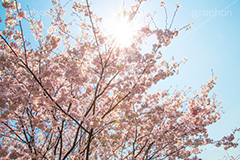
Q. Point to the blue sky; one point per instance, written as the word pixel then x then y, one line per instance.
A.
pixel 212 43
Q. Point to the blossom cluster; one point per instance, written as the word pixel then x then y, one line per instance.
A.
pixel 67 95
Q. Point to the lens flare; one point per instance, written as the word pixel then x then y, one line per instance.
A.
pixel 122 31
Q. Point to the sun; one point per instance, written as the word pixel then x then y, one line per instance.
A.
pixel 122 31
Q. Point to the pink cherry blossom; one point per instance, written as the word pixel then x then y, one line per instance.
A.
pixel 67 94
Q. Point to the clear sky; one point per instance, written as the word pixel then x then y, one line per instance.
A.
pixel 212 43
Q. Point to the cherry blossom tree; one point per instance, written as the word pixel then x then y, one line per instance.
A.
pixel 85 95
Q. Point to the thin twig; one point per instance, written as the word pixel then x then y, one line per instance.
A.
pixel 45 91
pixel 93 29
pixel 165 9
pixel 174 15
pixel 22 36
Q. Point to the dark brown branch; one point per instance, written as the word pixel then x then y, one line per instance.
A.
pixel 135 140
pixel 142 148
pixel 25 134
pixel 2 135
pixel 108 84
pixel 61 141
pixel 32 141
pixel 45 141
pixel 95 95
pixel 45 91
pixel 112 108
pixel 149 147
pixel 9 45
pixel 48 148
pixel 14 132
pixel 88 145
pixel 178 149
pixel 74 142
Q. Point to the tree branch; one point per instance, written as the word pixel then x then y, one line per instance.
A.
pixel 45 91
pixel 88 146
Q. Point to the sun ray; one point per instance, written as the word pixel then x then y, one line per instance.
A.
pixel 122 31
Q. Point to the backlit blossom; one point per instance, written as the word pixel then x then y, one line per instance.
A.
pixel 195 150
pixel 162 4
pixel 21 14
pixel 185 59
pixel 178 5
pixel 74 93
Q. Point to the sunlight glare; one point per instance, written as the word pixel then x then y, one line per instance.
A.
pixel 122 31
